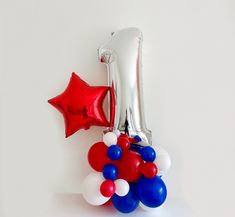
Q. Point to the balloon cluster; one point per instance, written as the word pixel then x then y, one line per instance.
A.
pixel 128 173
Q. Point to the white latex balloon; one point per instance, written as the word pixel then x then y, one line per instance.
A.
pixel 159 149
pixel 110 138
pixel 122 187
pixel 163 160
pixel 91 189
pixel 117 132
pixel 144 143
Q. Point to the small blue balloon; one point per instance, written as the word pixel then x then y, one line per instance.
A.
pixel 151 192
pixel 137 138
pixel 114 152
pixel 136 147
pixel 148 154
pixel 110 172
pixel 127 203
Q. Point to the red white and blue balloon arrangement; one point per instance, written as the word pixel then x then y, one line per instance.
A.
pixel 128 171
pixel 128 168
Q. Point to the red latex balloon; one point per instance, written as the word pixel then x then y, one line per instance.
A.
pixel 132 140
pixel 107 188
pixel 123 142
pixel 124 135
pixel 81 105
pixel 97 156
pixel 129 166
pixel 149 170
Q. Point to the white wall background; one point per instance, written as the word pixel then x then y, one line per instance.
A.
pixel 189 93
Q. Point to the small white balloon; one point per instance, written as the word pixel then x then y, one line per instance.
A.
pixel 117 132
pixel 144 143
pixel 159 150
pixel 163 160
pixel 110 138
pixel 122 187
pixel 91 189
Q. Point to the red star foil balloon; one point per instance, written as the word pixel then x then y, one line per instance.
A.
pixel 81 105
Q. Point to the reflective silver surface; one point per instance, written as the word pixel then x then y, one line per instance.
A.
pixel 122 56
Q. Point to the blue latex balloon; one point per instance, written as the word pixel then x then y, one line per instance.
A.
pixel 110 172
pixel 151 192
pixel 136 147
pixel 148 154
pixel 127 203
pixel 114 152
pixel 137 138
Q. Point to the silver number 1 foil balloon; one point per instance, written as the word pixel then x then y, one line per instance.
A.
pixel 122 56
pixel 119 160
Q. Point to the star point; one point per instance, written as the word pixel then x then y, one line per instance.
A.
pixel 81 105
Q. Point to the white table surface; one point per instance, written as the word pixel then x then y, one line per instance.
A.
pixel 73 205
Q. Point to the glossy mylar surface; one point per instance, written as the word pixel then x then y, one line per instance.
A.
pixel 122 55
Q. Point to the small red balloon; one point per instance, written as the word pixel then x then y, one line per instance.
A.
pixel 149 170
pixel 107 188
pixel 97 156
pixel 123 135
pixel 124 143
pixel 132 140
pixel 129 166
